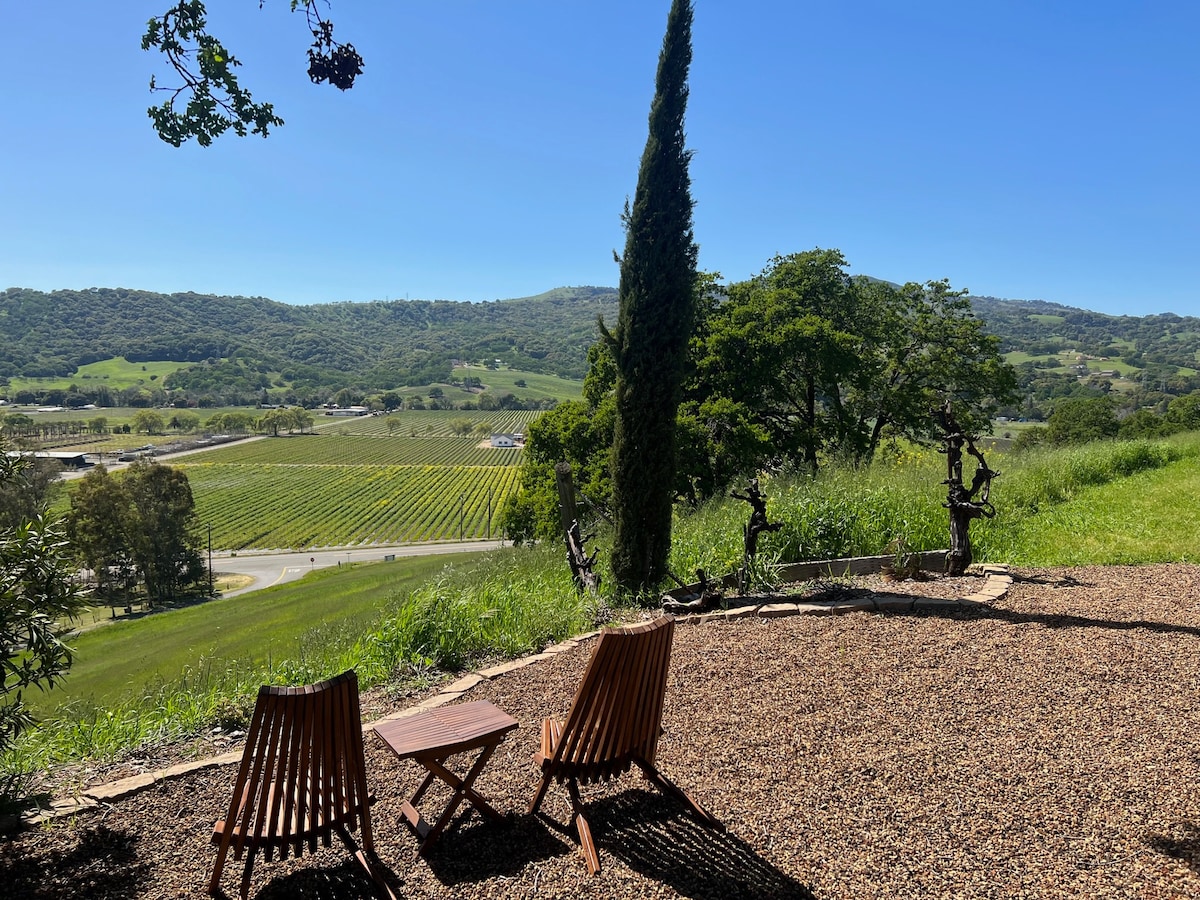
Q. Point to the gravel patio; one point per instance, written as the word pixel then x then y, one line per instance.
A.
pixel 1046 745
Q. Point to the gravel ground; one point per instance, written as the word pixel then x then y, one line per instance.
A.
pixel 1045 747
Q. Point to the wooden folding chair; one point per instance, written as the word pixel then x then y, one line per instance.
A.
pixel 614 722
pixel 302 778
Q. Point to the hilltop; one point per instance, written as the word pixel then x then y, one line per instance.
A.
pixel 379 344
pixel 245 347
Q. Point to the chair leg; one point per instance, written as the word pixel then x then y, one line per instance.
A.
pixel 671 789
pixel 586 843
pixel 214 883
pixel 247 872
pixel 540 795
pixel 369 861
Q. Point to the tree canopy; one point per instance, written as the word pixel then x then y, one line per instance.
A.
pixel 210 99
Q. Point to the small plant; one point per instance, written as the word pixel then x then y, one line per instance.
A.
pixel 761 572
pixel 232 713
pixel 905 564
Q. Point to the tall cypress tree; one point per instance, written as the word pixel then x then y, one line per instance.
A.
pixel 654 322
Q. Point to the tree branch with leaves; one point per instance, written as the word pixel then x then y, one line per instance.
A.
pixel 209 100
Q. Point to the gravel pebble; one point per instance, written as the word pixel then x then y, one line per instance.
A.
pixel 1043 747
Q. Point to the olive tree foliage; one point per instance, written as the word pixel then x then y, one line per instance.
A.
pixel 207 100
pixel 37 597
pixel 654 323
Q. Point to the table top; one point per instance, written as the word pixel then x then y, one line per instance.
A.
pixel 446 730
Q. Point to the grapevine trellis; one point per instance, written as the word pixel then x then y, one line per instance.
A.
pixel 334 490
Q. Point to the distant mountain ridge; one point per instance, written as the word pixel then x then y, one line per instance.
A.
pixel 380 345
pixel 46 334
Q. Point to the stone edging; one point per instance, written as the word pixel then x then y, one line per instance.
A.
pixel 996 583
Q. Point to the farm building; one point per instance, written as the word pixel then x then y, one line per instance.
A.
pixel 503 440
pixel 347 411
pixel 68 460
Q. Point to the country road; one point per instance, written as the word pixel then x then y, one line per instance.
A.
pixel 268 569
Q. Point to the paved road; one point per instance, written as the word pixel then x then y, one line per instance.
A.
pixel 279 568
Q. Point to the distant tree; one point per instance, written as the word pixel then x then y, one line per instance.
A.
pixel 1144 423
pixel 184 421
pixel 26 492
pixel 38 595
pixel 272 420
pixel 654 322
pixel 149 421
pixel 1078 420
pixel 233 421
pixel 299 418
pixel 1184 412
pixel 97 425
pixel 165 538
pixel 98 525
pixel 393 424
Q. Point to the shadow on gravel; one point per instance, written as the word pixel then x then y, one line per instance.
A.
pixel 654 836
pixel 104 863
pixel 345 881
pixel 1186 849
pixel 1048 620
pixel 492 849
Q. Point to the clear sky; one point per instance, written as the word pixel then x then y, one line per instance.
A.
pixel 1032 150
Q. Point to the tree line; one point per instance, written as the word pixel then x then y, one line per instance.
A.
pixel 800 365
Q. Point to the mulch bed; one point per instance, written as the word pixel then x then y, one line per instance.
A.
pixel 1044 747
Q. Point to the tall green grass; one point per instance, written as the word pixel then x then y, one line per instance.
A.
pixel 185 670
pixel 171 675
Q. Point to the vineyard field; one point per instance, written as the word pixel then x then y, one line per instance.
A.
pixel 338 489
pixel 324 506
pixel 357 450
pixel 427 422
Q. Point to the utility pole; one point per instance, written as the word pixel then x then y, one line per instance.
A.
pixel 210 571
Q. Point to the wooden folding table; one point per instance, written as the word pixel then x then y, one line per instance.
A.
pixel 430 738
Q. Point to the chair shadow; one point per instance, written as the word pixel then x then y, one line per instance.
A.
pixel 1185 849
pixel 104 863
pixel 486 849
pixel 344 881
pixel 654 835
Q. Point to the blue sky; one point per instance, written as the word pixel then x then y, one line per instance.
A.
pixel 1027 150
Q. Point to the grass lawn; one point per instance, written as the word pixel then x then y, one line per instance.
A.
pixel 1148 517
pixel 327 606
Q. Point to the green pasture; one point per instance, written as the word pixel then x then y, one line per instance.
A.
pixel 1046 318
pixel 324 611
pixel 537 386
pixel 117 373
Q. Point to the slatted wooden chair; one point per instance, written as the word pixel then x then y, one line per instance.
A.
pixel 614 723
pixel 302 779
